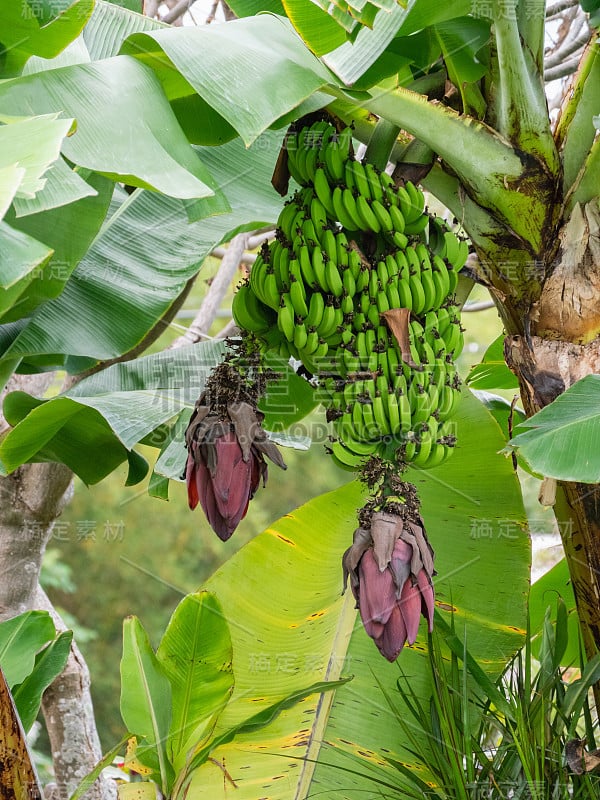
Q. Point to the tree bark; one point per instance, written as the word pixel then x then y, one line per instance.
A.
pixel 31 499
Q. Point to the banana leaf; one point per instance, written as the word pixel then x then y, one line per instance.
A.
pixel 291 621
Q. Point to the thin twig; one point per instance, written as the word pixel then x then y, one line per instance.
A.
pixel 153 334
pixel 231 329
pixel 247 258
pixel 568 48
pixel 568 68
pixel 212 13
pixel 260 236
pixel 559 7
pixel 151 8
pixel 177 11
pixel 215 294
pixel 482 306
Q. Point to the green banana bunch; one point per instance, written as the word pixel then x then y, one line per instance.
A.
pixel 314 295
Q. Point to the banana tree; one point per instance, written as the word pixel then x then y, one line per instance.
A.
pixel 460 98
pixel 453 95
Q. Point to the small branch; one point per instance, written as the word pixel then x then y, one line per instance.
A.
pixel 151 8
pixel 247 258
pixel 562 71
pixel 231 329
pixel 215 294
pixel 555 9
pixel 212 13
pixel 260 236
pixel 559 55
pixel 227 12
pixel 482 306
pixel 178 10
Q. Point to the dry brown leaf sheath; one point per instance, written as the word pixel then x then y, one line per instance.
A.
pixel 397 321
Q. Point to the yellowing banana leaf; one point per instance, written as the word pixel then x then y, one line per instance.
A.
pixel 144 790
pixel 282 595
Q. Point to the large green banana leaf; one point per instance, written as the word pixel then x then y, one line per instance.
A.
pixel 282 595
pixel 41 29
pixel 563 439
pixel 133 271
pixel 115 102
pixel 68 231
pixel 263 69
pixel 147 400
pixel 108 413
pixel 34 144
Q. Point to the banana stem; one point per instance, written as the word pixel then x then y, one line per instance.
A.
pixel 532 25
pixel 586 187
pixel 492 172
pixel 522 114
pixel 381 143
pixel 574 131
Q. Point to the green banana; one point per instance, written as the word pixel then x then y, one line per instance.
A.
pixel 300 336
pixel 335 162
pixel 351 210
pixel 365 213
pixel 375 185
pixel 249 313
pixel 417 203
pixel 318 265
pixel 285 317
pixel 333 278
pixel 298 297
pixel 328 321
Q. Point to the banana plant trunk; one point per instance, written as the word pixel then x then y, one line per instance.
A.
pixel 556 345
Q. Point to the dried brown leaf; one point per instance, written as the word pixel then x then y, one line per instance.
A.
pixel 397 320
pixel 18 779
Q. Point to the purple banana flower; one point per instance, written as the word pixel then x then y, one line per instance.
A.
pixel 225 462
pixel 390 567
